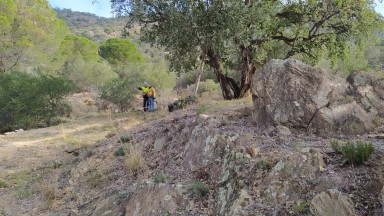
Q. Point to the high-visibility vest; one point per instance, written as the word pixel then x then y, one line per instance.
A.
pixel 144 89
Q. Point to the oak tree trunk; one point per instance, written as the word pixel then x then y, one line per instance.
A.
pixel 229 87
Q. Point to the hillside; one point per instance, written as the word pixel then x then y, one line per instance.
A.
pixel 208 159
pixel 100 29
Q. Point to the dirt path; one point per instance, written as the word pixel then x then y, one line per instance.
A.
pixel 24 152
pixel 27 149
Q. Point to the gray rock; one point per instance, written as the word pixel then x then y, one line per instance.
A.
pixel 293 94
pixel 332 202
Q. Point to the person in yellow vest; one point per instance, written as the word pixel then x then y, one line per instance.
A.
pixel 144 89
pixel 151 98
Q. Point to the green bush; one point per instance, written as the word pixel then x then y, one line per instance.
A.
pixel 182 103
pixel 336 146
pixel 26 100
pixel 3 183
pixel 125 138
pixel 88 74
pixel 199 189
pixel 160 178
pixel 208 86
pixel 120 91
pixel 120 151
pixel 355 153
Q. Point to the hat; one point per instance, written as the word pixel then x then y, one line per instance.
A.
pixel 146 84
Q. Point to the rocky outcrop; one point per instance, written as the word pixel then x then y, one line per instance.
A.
pixel 293 94
pixel 332 202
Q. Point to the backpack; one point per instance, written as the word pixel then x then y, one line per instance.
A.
pixel 151 92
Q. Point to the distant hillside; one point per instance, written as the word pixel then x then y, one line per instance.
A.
pixel 100 29
pixel 96 28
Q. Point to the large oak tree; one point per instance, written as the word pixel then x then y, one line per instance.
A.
pixel 241 35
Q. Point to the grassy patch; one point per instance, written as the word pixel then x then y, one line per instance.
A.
pixel 97 178
pixel 3 183
pixel 355 152
pixel 160 178
pixel 74 142
pixel 120 151
pixel 135 161
pixel 49 191
pixel 198 188
pixel 300 207
pixel 125 139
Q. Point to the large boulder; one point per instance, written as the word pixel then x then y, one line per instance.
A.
pixel 293 94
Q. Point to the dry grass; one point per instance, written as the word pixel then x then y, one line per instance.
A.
pixel 49 190
pixel 135 161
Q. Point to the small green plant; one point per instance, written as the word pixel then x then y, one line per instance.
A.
pixel 223 122
pixel 160 178
pixel 198 188
pixel 56 164
pixel 355 153
pixel 299 207
pixel 202 109
pixel 125 138
pixel 377 121
pixel 120 151
pixel 336 146
pixel 3 183
pixel 182 103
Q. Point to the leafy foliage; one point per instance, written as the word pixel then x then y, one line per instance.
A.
pixel 77 47
pixel 119 52
pixel 27 100
pixel 242 35
pixel 30 35
pixel 120 91
pixel 89 74
pixel 181 103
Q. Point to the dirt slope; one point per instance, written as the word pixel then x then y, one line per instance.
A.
pixel 73 169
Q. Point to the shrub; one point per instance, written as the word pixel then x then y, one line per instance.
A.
pixel 355 153
pixel 135 161
pixel 208 86
pixel 336 146
pixel 160 178
pixel 120 91
pixel 26 100
pixel 88 74
pixel 125 138
pixel 3 183
pixel 198 188
pixel 120 151
pixel 181 103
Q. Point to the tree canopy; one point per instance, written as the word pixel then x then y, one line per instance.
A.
pixel 119 52
pixel 242 35
pixel 30 33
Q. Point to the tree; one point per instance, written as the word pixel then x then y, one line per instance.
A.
pixel 119 52
pixel 30 35
pixel 242 35
pixel 77 47
pixel 26 100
